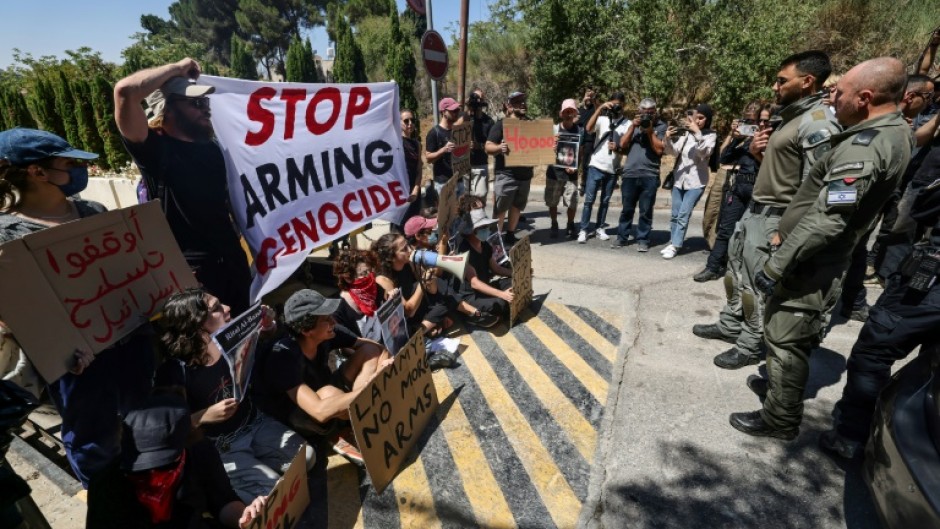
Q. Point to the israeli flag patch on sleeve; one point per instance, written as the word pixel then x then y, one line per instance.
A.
pixel 841 192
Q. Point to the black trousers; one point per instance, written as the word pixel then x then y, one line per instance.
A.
pixel 853 287
pixel 889 215
pixel 734 203
pixel 489 304
pixel 901 320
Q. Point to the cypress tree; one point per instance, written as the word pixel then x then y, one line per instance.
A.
pixel 41 100
pixel 349 66
pixel 314 76
pixel 21 115
pixel 243 65
pixel 114 155
pixel 5 110
pixel 65 108
pixel 295 58
pixel 400 64
pixel 85 116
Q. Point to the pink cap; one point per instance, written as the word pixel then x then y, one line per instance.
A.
pixel 448 103
pixel 418 223
pixel 566 105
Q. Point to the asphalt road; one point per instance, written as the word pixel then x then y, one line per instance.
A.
pixel 666 455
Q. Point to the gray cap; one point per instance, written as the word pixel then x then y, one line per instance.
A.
pixel 176 86
pixel 305 303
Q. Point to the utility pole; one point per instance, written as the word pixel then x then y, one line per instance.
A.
pixel 437 117
pixel 462 59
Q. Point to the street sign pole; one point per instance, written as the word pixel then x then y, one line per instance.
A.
pixel 462 59
pixel 437 117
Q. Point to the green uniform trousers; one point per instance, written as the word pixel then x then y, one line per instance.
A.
pixel 748 251
pixel 795 323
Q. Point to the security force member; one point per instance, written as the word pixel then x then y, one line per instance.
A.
pixel 786 157
pixel 907 315
pixel 834 207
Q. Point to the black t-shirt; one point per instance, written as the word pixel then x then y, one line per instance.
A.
pixel 206 385
pixel 480 261
pixel 284 367
pixel 480 127
pixel 738 153
pixel 436 140
pixel 412 161
pixel 196 204
pixel 499 161
pixel 205 488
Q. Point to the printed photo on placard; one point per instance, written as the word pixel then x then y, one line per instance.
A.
pixel 566 151
pixel 238 341
pixel 391 316
pixel 499 250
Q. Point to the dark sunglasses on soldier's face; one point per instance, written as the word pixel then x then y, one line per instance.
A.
pixel 201 103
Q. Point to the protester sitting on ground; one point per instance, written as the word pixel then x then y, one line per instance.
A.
pixel 422 233
pixel 39 175
pixel 693 149
pixel 166 479
pixel 427 299
pixel 742 171
pixel 562 183
pixel 294 382
pixel 255 448
pixel 482 289
pixel 360 295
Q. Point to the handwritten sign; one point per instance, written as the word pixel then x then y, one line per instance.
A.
pixel 521 256
pixel 288 499
pixel 394 326
pixel 87 284
pixel 461 135
pixel 392 411
pixel 447 205
pixel 237 341
pixel 530 143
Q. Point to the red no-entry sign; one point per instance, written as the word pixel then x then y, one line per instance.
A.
pixel 434 53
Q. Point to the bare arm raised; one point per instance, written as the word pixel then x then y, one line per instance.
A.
pixel 130 91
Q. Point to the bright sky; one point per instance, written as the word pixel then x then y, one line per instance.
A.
pixel 49 27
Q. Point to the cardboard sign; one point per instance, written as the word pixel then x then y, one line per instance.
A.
pixel 87 284
pixel 391 412
pixel 521 256
pixel 237 341
pixel 288 499
pixel 461 135
pixel 566 151
pixel 391 315
pixel 530 143
pixel 307 164
pixel 447 206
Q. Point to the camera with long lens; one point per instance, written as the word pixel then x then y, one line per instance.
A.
pixel 646 121
pixel 615 111
pixel 475 101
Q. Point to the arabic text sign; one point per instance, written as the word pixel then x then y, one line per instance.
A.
pixel 89 283
pixel 392 411
pixel 530 143
pixel 288 499
pixel 307 164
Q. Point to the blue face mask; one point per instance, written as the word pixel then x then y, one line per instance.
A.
pixel 78 180
pixel 484 234
pixel 433 238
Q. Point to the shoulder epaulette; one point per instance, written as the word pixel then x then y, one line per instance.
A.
pixel 864 137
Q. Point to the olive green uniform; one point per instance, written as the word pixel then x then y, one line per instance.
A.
pixel 792 149
pixel 834 207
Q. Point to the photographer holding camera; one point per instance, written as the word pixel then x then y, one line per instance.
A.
pixel 643 144
pixel 608 124
pixel 480 125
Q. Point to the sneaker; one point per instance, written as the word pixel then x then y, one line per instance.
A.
pixel 618 245
pixel 839 445
pixel 706 275
pixel 667 247
pixel 509 239
pixel 602 235
pixel 670 252
pixel 484 320
pixel 642 246
pixel 553 232
pixel 582 237
pixel 570 231
pixel 347 449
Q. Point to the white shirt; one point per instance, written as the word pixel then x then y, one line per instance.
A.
pixel 692 171
pixel 602 158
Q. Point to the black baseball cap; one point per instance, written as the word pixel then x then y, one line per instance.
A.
pixel 155 434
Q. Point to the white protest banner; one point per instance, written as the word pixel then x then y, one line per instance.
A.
pixel 307 164
pixel 237 341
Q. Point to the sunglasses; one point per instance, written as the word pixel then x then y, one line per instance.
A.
pixel 202 103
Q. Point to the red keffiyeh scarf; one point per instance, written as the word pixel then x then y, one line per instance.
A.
pixel 364 291
pixel 156 489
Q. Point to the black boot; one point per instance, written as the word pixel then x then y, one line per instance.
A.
pixel 711 331
pixel 553 233
pixel 735 358
pixel 752 423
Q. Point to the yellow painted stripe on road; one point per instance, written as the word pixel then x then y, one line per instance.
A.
pixel 581 327
pixel 567 416
pixel 342 489
pixel 557 496
pixel 486 498
pixel 591 379
pixel 413 495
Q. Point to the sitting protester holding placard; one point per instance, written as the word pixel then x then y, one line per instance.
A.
pixel 165 479
pixel 294 381
pixel 481 288
pixel 255 448
pixel 359 293
pixel 39 174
